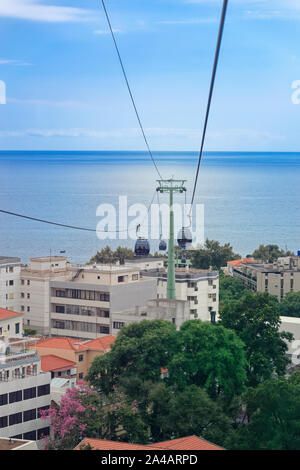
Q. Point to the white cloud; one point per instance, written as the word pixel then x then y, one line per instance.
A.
pixel 45 102
pixel 254 135
pixel 106 31
pixel 190 21
pixel 14 62
pixel 34 10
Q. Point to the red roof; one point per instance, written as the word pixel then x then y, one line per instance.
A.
pixel 58 343
pixel 239 262
pixel 55 363
pixel 102 444
pixel 183 443
pixel 187 443
pixel 102 343
pixel 5 314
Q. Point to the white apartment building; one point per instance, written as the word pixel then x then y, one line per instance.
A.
pixel 34 289
pixel 24 392
pixel 199 287
pixel 10 269
pixel 85 306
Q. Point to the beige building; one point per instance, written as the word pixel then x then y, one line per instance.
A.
pixel 81 353
pixel 11 324
pixel 84 306
pixel 10 269
pixel 199 287
pixel 276 278
pixel 34 289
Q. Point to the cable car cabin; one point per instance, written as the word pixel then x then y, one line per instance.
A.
pixel 184 238
pixel 142 248
pixel 162 245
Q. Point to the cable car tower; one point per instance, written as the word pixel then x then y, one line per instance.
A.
pixel 171 186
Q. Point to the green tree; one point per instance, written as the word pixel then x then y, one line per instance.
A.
pixel 140 349
pixel 107 255
pixel 230 288
pixel 209 356
pixel 290 305
pixel 190 412
pixel 269 253
pixel 213 254
pixel 273 412
pixel 256 320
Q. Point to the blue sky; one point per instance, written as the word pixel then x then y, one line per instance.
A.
pixel 65 89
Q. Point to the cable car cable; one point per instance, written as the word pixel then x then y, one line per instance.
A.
pixel 217 54
pixel 129 88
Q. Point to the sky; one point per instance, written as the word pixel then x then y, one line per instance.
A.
pixel 65 89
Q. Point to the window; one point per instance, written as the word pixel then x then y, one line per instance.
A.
pixel 15 418
pixel 120 278
pixel 60 293
pixel 103 329
pixel 22 295
pixel 11 283
pixel 42 408
pixel 80 357
pixel 3 399
pixel 3 422
pixel 29 393
pixel 28 309
pixel 17 328
pixel 30 436
pixel 59 324
pixel 43 432
pixel 28 296
pixel 22 308
pixel 15 396
pixel 80 376
pixel 60 309
pixel 28 282
pixel 103 313
pixel 11 269
pixel 22 282
pixel 29 415
pixel 11 296
pixel 135 277
pixel 118 325
pixel 43 390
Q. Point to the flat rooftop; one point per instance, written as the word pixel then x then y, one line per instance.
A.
pixel 9 259
pixel 9 444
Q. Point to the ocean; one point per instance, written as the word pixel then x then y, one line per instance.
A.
pixel 248 198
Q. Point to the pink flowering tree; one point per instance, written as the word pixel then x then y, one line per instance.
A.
pixel 84 413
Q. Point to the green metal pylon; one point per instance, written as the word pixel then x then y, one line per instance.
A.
pixel 171 186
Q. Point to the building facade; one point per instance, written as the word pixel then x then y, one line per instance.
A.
pixel 24 392
pixel 278 278
pixel 84 307
pixel 10 269
pixel 199 287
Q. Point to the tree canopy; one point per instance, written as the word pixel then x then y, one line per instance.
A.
pixel 269 253
pixel 211 357
pixel 290 305
pixel 256 320
pixel 213 254
pixel 273 414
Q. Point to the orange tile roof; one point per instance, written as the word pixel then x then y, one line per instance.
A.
pixel 183 443
pixel 103 343
pixel 59 343
pixel 4 314
pixel 55 363
pixel 187 443
pixel 239 262
pixel 102 444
